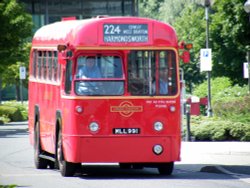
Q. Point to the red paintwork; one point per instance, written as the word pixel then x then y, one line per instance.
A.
pixel 79 144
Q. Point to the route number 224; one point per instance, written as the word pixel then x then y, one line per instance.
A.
pixel 112 29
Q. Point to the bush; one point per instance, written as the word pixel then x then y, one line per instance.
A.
pixel 214 129
pixel 11 112
pixel 23 108
pixel 217 85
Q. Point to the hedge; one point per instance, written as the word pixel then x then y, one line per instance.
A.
pixel 206 129
pixel 12 113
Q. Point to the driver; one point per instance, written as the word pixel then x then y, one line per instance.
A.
pixel 90 70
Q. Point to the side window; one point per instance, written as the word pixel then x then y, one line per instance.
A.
pixel 40 57
pixel 68 78
pixel 55 66
pixel 50 65
pixel 45 65
pixel 34 63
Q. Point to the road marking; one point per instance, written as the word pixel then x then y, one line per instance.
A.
pixel 242 177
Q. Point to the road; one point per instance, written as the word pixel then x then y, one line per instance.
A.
pixel 17 168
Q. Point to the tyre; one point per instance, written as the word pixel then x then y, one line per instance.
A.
pixel 40 163
pixel 166 168
pixel 125 165
pixel 67 169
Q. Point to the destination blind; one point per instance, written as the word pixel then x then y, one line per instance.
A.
pixel 125 33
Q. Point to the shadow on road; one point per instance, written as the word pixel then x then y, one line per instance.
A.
pixel 13 131
pixel 109 172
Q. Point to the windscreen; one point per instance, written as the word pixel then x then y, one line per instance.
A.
pixel 99 75
pixel 152 73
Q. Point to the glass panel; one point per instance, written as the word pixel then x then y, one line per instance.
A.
pixel 68 77
pixel 99 87
pixel 44 65
pixel 50 65
pixel 40 57
pixel 34 65
pixel 152 73
pixel 99 67
pixel 55 64
pixel 99 75
pixel 167 83
pixel 141 72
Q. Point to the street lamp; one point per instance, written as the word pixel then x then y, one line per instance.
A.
pixel 247 9
pixel 207 4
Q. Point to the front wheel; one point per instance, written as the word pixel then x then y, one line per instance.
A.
pixel 40 163
pixel 67 169
pixel 166 168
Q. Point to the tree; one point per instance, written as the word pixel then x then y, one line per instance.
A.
pixel 230 36
pixel 16 27
pixel 190 27
pixel 170 10
pixel 150 8
pixel 11 74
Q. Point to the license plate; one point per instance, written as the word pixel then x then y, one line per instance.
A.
pixel 126 131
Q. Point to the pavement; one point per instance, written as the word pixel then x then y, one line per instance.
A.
pixel 231 158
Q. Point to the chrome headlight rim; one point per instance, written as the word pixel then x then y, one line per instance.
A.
pixel 94 127
pixel 158 126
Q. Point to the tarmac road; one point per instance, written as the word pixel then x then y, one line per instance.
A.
pixel 204 164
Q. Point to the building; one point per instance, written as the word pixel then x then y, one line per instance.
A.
pixel 49 11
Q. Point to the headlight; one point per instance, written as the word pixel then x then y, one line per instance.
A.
pixel 158 126
pixel 158 149
pixel 94 127
pixel 79 109
pixel 172 108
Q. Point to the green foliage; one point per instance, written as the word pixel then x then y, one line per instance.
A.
pixel 170 10
pixel 191 28
pixel 150 8
pixel 13 111
pixel 235 108
pixel 207 129
pixel 218 85
pixel 16 26
pixel 230 36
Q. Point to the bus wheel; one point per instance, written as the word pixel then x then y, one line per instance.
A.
pixel 40 163
pixel 166 168
pixel 67 169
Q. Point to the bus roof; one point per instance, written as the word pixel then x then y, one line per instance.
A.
pixel 108 31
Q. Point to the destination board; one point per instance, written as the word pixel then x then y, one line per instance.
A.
pixel 125 33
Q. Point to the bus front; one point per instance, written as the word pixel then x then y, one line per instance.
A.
pixel 124 96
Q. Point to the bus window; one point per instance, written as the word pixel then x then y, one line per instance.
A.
pixel 140 72
pixel 152 73
pixel 68 77
pixel 50 65
pixel 99 75
pixel 40 57
pixel 44 65
pixel 55 66
pixel 34 65
pixel 167 73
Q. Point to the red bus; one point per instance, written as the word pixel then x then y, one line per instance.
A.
pixel 105 90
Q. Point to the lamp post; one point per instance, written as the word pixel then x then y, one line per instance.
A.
pixel 247 9
pixel 207 4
